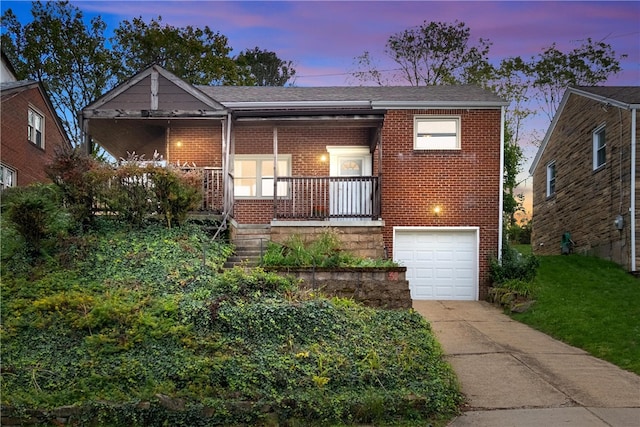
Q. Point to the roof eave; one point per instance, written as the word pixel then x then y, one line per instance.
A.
pixel 603 99
pixel 429 105
pixel 280 105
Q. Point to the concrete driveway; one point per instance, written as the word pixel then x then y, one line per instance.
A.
pixel 513 375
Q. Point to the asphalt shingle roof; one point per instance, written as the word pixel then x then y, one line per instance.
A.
pixel 338 94
pixel 625 94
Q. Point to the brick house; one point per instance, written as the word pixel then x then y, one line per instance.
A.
pixel 31 130
pixel 585 175
pixel 410 173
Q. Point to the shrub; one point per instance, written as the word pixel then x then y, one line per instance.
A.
pixel 70 171
pixel 513 265
pixel 325 252
pixel 34 212
pixel 128 194
pixel 520 233
pixel 139 331
pixel 176 193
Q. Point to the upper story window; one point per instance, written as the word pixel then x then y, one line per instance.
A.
pixel 551 179
pixel 254 175
pixel 436 133
pixel 36 128
pixel 599 147
pixel 7 177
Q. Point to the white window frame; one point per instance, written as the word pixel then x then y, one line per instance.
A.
pixel 599 136
pixel 8 177
pixel 551 178
pixel 262 191
pixel 33 130
pixel 440 136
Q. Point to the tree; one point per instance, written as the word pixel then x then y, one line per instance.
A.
pixel 199 56
pixel 434 53
pixel 264 68
pixel 587 65
pixel 60 51
pixel 438 53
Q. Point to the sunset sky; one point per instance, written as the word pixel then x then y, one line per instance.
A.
pixel 322 38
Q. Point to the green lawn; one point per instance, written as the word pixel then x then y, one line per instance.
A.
pixel 591 304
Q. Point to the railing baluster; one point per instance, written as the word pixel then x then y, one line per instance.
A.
pixel 329 197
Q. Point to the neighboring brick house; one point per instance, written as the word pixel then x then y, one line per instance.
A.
pixel 585 176
pixel 31 130
pixel 412 173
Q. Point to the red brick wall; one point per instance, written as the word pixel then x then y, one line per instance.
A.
pixel 199 145
pixel 305 145
pixel 465 183
pixel 17 151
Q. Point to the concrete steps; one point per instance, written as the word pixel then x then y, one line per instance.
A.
pixel 250 243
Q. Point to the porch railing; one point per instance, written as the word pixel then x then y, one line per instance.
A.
pixel 322 198
pixel 212 188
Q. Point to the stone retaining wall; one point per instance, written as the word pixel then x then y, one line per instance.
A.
pixel 373 286
pixel 361 240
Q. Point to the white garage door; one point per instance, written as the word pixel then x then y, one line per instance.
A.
pixel 442 263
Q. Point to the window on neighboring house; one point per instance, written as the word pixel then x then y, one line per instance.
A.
pixel 36 128
pixel 551 179
pixel 253 177
pixel 7 177
pixel 599 147
pixel 436 133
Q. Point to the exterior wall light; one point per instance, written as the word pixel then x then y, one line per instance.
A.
pixel 323 158
pixel 437 210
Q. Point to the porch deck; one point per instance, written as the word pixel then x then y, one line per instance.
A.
pixel 304 198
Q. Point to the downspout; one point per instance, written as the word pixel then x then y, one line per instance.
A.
pixel 632 207
pixel 379 190
pixel 501 201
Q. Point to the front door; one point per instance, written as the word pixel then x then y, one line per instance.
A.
pixel 350 195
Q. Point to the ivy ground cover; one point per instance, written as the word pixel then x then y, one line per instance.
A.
pixel 144 328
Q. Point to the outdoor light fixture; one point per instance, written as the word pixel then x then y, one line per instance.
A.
pixel 437 210
pixel 323 158
pixel 179 143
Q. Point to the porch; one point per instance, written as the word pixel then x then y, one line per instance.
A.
pixel 303 198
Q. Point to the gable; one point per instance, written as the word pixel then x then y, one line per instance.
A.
pixel 154 90
pixel 623 97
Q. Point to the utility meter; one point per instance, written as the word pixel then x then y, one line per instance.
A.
pixel 619 222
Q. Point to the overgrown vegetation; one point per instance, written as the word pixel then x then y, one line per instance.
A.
pixel 324 251
pixel 512 279
pixel 139 326
pixel 589 303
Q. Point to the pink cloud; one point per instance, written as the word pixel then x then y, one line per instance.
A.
pixel 321 37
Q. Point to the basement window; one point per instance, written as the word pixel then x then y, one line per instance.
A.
pixel 436 133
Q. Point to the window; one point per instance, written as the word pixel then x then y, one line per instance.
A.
pixel 436 133
pixel 7 177
pixel 36 128
pixel 551 179
pixel 599 147
pixel 254 175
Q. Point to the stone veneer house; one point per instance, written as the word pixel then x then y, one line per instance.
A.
pixel 411 173
pixel 31 130
pixel 585 176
